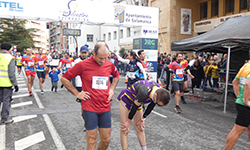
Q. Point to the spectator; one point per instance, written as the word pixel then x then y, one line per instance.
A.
pixel 198 73
pixel 207 76
pixel 191 63
pixel 215 75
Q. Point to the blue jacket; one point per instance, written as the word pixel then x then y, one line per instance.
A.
pixel 54 75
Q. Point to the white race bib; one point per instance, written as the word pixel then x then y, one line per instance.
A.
pixel 30 63
pixel 131 75
pixel 19 61
pixel 41 63
pixel 100 82
pixel 242 82
pixel 179 71
pixel 68 65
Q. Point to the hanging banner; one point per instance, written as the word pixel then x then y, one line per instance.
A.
pixel 186 21
pixel 80 11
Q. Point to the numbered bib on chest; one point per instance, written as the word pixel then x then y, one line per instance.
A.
pixel 40 63
pixel 131 75
pixel 99 82
pixel 68 65
pixel 19 61
pixel 30 63
pixel 179 71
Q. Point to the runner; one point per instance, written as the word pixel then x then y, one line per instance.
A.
pixel 19 63
pixel 144 62
pixel 134 67
pixel 177 78
pixel 40 60
pixel 96 94
pixel 113 61
pixel 184 62
pixel 242 91
pixel 131 100
pixel 48 63
pixel 28 62
pixel 65 63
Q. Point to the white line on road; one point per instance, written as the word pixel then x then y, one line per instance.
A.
pixel 22 118
pixel 21 85
pixel 55 136
pixel 29 141
pixel 21 104
pixel 159 114
pixel 20 89
pixel 2 137
pixel 21 95
pixel 20 81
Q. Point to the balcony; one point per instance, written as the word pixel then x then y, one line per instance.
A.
pixel 37 45
pixel 37 39
pixel 52 41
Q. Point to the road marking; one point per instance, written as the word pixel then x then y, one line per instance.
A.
pixel 29 141
pixel 55 136
pixel 20 81
pixel 22 118
pixel 2 137
pixel 159 114
pixel 21 95
pixel 20 89
pixel 21 85
pixel 21 104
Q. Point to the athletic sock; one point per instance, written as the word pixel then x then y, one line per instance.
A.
pixel 144 147
pixel 176 105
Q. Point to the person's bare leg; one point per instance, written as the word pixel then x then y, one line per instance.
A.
pixel 123 118
pixel 233 136
pixel 140 135
pixel 41 83
pixel 19 71
pixel 91 139
pixel 105 134
pixel 29 83
pixel 177 97
pixel 32 81
pixel 248 132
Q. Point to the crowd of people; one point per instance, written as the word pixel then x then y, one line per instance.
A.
pixel 93 79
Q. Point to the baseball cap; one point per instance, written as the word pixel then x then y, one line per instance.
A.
pixel 84 49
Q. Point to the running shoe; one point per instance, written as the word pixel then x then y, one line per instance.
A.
pixel 183 100
pixel 42 92
pixel 46 76
pixel 30 93
pixel 62 86
pixel 52 88
pixel 177 109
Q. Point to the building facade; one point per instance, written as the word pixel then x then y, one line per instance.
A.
pixel 181 19
pixel 40 35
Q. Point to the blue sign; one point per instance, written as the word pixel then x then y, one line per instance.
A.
pixel 13 6
pixel 152 65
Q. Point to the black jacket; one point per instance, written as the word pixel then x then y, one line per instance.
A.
pixel 197 72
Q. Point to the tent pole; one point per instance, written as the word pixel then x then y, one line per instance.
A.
pixel 227 76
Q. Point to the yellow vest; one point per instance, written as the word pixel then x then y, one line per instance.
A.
pixel 5 59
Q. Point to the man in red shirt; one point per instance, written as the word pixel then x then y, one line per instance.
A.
pixel 28 61
pixel 40 61
pixel 96 94
pixel 65 63
pixel 178 67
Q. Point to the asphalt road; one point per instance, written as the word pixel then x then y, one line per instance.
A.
pixel 53 121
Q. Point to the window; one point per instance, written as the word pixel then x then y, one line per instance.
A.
pixel 229 6
pixel 121 34
pixel 243 4
pixel 109 38
pixel 115 35
pixel 90 37
pixel 203 10
pixel 128 32
pixel 215 7
pixel 104 37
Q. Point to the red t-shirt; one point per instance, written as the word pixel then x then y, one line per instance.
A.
pixel 178 70
pixel 95 80
pixel 67 64
pixel 40 62
pixel 29 60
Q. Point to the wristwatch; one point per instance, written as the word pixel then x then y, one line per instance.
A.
pixel 143 119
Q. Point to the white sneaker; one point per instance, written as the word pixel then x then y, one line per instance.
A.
pixel 42 92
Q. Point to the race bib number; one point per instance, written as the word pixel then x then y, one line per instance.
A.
pixel 68 65
pixel 179 71
pixel 41 63
pixel 30 63
pixel 100 82
pixel 19 61
pixel 242 82
pixel 131 75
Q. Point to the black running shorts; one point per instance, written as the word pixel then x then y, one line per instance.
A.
pixel 178 86
pixel 243 116
pixel 41 74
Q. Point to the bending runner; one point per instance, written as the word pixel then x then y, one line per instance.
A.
pixel 131 100
pixel 96 94
pixel 242 91
pixel 29 63
pixel 177 77
pixel 19 63
pixel 40 61
pixel 134 67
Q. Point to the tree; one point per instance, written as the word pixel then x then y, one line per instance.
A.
pixel 14 32
pixel 122 51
